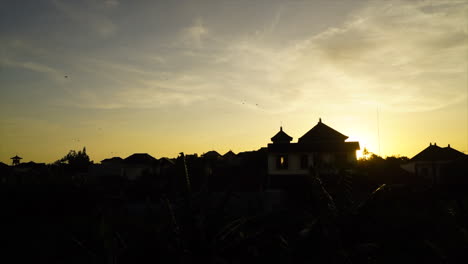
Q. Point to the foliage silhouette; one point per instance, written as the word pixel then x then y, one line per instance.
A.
pixel 77 160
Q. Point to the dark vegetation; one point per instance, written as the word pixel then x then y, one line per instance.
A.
pixel 56 215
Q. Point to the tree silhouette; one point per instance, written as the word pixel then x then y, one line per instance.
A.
pixel 77 160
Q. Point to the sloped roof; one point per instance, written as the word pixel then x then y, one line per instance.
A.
pixel 16 157
pixel 229 154
pixel 281 136
pixel 140 158
pixel 113 160
pixel 321 132
pixel 211 154
pixel 434 152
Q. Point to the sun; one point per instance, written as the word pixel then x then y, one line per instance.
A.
pixel 359 154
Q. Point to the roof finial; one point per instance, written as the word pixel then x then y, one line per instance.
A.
pixel 320 120
pixel 281 128
pixel 448 146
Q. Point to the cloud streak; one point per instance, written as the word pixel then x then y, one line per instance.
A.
pixel 193 35
pixel 92 18
pixel 53 73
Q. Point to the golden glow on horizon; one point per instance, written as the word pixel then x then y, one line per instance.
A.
pixel 359 154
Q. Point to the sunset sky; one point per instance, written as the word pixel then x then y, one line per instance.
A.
pixel 164 77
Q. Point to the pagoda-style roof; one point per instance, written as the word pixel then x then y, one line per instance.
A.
pixel 322 133
pixel 16 158
pixel 436 153
pixel 281 137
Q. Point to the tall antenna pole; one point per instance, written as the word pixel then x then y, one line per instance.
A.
pixel 378 129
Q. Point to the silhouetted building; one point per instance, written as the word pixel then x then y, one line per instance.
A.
pixel 321 149
pixel 16 160
pixel 231 158
pixel 456 172
pixel 137 165
pixel 432 164
pixel 111 167
pixel 111 161
pixel 212 155
pixel 165 169
pixel 229 155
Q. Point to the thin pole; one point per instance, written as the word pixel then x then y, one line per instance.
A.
pixel 378 129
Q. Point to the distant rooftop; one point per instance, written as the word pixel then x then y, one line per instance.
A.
pixel 112 160
pixel 229 154
pixel 139 158
pixel 434 153
pixel 211 154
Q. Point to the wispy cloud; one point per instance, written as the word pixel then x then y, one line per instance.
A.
pixel 131 86
pixel 405 57
pixel 396 50
pixel 193 35
pixel 94 20
pixel 140 96
pixel 36 67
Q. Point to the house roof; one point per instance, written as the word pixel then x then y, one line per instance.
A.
pixel 436 153
pixel 211 154
pixel 112 160
pixel 16 157
pixel 139 158
pixel 281 136
pixel 229 154
pixel 322 132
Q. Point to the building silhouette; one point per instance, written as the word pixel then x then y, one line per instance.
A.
pixel 16 160
pixel 435 164
pixel 322 150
